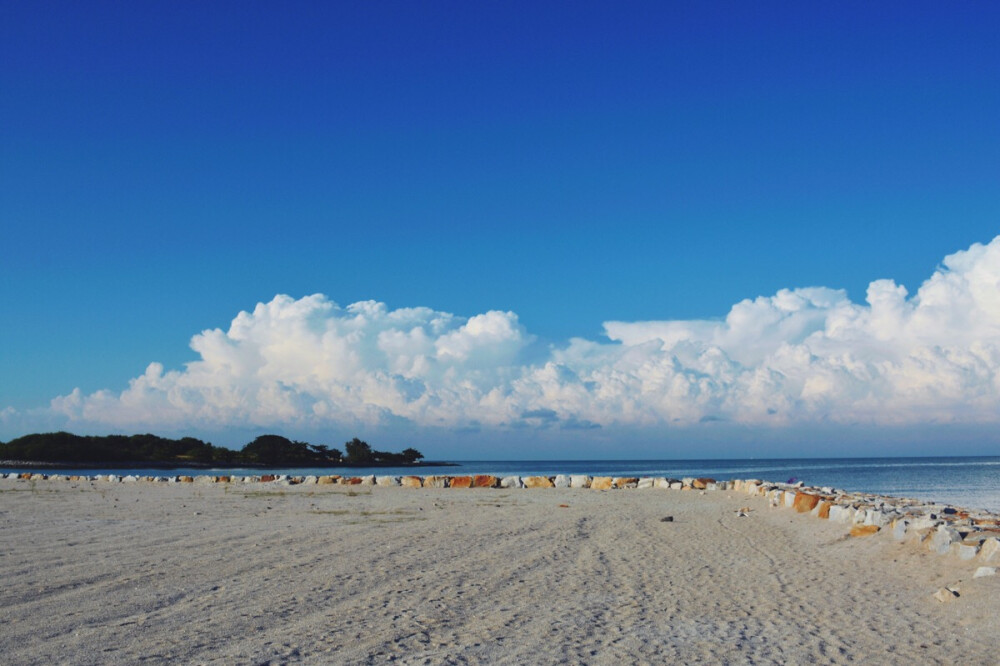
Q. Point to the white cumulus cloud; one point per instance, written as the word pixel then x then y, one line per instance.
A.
pixel 807 355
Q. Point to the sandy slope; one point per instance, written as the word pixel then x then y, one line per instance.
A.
pixel 142 573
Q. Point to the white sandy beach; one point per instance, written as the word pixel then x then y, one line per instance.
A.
pixel 98 573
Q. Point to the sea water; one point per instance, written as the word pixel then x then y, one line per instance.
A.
pixel 971 482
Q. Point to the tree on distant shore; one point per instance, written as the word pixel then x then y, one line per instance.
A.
pixel 326 453
pixel 277 450
pixel 267 450
pixel 358 452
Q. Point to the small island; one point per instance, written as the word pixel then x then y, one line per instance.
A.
pixel 64 449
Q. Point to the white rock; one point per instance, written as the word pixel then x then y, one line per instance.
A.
pixel 511 482
pixel 789 499
pixel 942 538
pixel 876 518
pixel 982 572
pixel 661 483
pixel 646 482
pixel 965 551
pixel 386 480
pixel 899 529
pixel 310 480
pixel 676 485
pixel 990 550
pixel 924 523
pixel 579 481
pixel 842 514
pixel 944 595
pixel 561 481
pixel 368 480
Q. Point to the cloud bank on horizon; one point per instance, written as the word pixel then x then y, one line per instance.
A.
pixel 801 356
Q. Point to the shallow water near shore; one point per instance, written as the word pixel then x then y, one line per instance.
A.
pixel 972 482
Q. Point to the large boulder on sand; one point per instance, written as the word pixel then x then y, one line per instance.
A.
pixel 485 481
pixel 942 539
pixel 601 483
pixel 805 502
pixel 537 482
pixel 990 550
pixel 864 530
pixel 435 482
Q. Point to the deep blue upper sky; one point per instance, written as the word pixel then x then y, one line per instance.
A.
pixel 165 165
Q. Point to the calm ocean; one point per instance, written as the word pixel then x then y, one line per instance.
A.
pixel 968 482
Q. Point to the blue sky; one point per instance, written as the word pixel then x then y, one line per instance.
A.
pixel 164 167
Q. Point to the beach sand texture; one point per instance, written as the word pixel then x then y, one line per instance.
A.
pixel 100 573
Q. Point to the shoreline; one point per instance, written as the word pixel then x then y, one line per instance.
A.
pixel 969 481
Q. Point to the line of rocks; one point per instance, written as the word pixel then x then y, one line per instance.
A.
pixel 941 529
pixel 472 481
pixel 945 530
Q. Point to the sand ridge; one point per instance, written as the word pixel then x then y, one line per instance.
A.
pixel 224 573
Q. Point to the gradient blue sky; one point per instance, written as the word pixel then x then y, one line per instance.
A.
pixel 164 166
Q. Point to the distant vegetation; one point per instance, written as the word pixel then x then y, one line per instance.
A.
pixel 264 451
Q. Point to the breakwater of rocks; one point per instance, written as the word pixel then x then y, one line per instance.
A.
pixel 942 529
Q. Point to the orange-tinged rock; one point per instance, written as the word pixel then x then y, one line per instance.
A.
pixel 353 481
pixel 701 484
pixel 537 482
pixel 601 483
pixel 461 482
pixel 626 482
pixel 222 479
pixel 824 510
pixel 267 478
pixel 485 481
pixel 864 530
pixel 436 481
pixel 411 482
pixel 186 479
pixel 804 502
